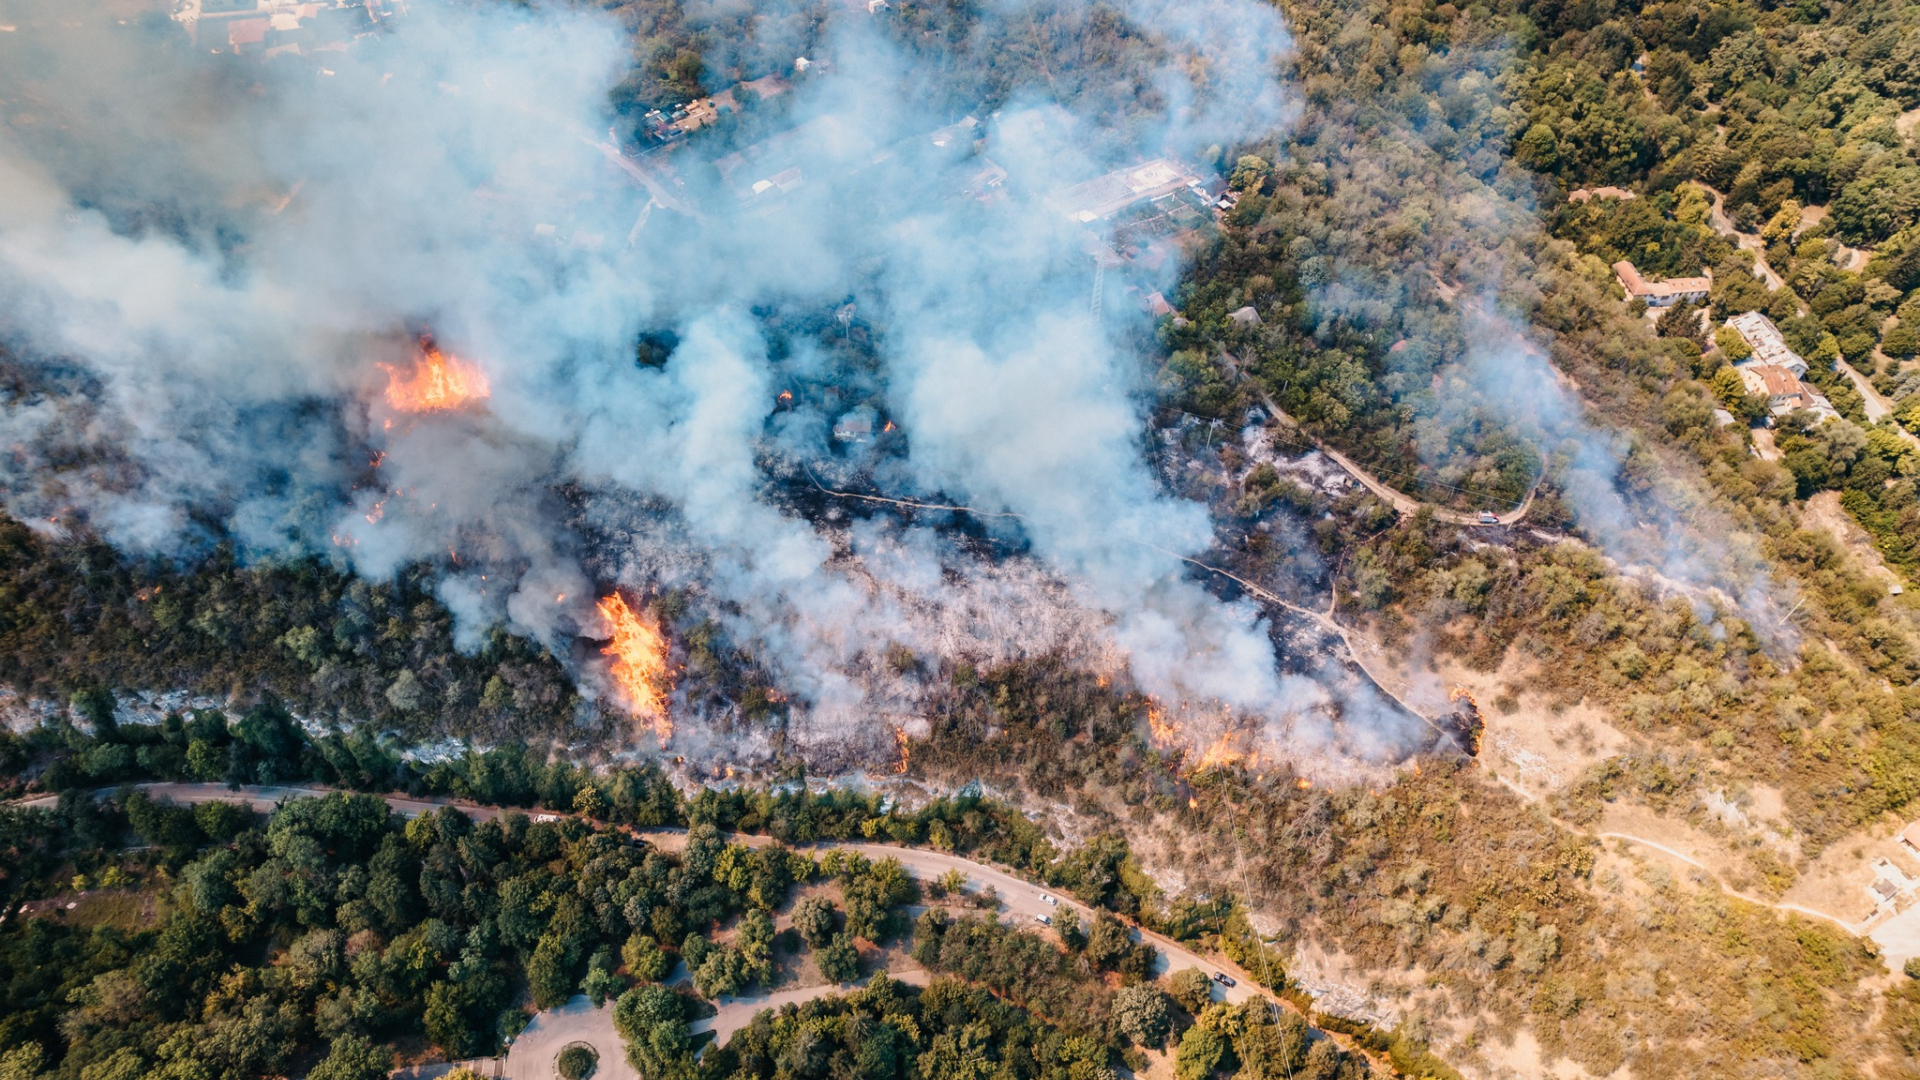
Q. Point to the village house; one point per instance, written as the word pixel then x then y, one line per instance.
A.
pixel 1769 348
pixel 701 112
pixel 1783 390
pixel 1580 195
pixel 1910 839
pixel 1660 293
pixel 1105 196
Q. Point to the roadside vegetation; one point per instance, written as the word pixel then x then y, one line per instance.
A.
pixel 326 936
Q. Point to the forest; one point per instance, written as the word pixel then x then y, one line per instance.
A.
pixel 327 937
pixel 1422 193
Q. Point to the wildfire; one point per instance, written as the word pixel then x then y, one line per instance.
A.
pixel 1164 731
pixel 900 737
pixel 639 652
pixel 1467 722
pixel 1222 753
pixel 1193 803
pixel 1303 784
pixel 437 382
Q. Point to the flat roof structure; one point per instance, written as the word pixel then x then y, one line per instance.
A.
pixel 1105 196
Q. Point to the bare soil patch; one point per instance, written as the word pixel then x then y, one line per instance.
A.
pixel 1536 745
pixel 1837 881
pixel 1824 512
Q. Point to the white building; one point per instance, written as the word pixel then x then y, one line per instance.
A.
pixel 1768 346
pixel 1660 293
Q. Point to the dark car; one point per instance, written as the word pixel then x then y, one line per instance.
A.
pixel 1223 978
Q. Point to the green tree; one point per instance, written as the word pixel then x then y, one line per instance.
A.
pixel 755 946
pixel 589 802
pixel 1192 989
pixel 1066 923
pixel 813 916
pixel 1732 346
pixel 577 1062
pixel 22 1062
pixel 839 960
pixel 549 973
pixel 354 1057
pixel 645 959
pixel 653 1023
pixel 1202 1050
pixel 1144 1014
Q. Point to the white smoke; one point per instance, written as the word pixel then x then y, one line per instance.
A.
pixel 225 252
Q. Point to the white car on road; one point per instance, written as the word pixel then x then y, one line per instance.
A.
pixel 1043 920
pixel 1048 900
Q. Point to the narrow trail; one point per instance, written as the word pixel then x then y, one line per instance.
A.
pixel 1323 619
pixel 1529 797
pixel 1401 502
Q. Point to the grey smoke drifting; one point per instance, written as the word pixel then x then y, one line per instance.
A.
pixel 226 253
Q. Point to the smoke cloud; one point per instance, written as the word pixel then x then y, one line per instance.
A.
pixel 215 261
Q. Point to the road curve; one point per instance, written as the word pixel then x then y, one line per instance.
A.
pixel 1020 898
pixel 1402 503
pixel 737 1012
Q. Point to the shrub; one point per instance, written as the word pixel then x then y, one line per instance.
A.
pixel 577 1062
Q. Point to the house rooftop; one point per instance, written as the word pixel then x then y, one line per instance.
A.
pixel 1641 288
pixel 1104 196
pixel 1580 195
pixel 1764 338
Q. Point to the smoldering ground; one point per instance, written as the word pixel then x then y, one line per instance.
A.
pixel 230 250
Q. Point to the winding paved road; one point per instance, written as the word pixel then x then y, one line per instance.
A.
pixel 531 1056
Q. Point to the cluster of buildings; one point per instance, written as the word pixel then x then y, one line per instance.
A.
pixel 696 114
pixel 1140 214
pixel 1773 370
pixel 281 27
pixel 1152 182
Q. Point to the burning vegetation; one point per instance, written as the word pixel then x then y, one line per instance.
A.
pixel 1463 721
pixel 639 668
pixel 436 382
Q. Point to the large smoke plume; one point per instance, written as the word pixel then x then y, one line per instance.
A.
pixel 222 257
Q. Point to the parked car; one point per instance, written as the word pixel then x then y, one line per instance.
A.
pixel 1223 978
pixel 1488 517
pixel 1047 899
pixel 1043 920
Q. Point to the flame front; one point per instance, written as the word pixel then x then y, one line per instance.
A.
pixel 639 652
pixel 437 382
pixel 1165 732
pixel 1223 754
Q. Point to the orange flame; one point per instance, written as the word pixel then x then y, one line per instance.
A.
pixel 1193 803
pixel 639 652
pixel 1164 731
pixel 900 737
pixel 1222 753
pixel 438 382
pixel 1303 784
